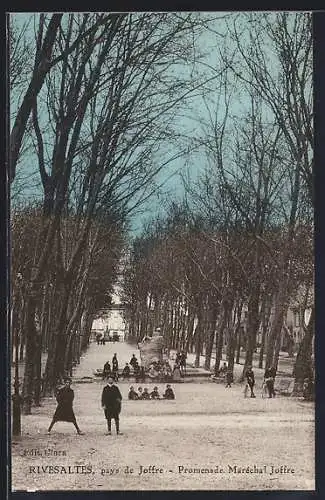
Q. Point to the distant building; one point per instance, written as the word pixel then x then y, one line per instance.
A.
pixel 111 320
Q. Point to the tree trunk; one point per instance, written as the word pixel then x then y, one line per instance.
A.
pixel 303 365
pixel 31 333
pixel 265 324
pixel 280 308
pixel 252 328
pixel 213 314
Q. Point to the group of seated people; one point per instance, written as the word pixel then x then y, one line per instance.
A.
pixel 154 394
pixel 164 372
pixel 159 370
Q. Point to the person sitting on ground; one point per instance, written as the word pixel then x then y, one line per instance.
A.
pixel 154 394
pixel 167 372
pixel 126 371
pixel 250 377
pixel 133 396
pixel 169 393
pixel 145 394
pixel 140 392
pixel 107 372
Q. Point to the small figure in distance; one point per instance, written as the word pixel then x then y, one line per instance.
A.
pixel 169 393
pixel 176 373
pixel 126 371
pixel 145 394
pixel 132 396
pixel 182 362
pixel 136 369
pixel 269 378
pixel 140 392
pixel 107 372
pixel 229 377
pixel 154 394
pixel 133 360
pixel 115 367
pixel 223 370
pixel 250 377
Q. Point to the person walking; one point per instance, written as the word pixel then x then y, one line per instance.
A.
pixel 64 411
pixel 250 377
pixel 111 403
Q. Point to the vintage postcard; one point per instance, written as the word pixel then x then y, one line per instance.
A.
pixel 162 261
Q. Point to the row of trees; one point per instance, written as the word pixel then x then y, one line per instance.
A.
pixel 195 280
pixel 244 236
pixel 92 113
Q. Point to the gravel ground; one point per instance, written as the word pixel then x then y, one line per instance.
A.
pixel 209 438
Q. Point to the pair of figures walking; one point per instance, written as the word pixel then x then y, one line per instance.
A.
pixel 111 403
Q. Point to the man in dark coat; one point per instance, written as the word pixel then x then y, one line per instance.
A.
pixel 111 402
pixel 64 411
pixel 269 378
pixel 250 377
pixel 169 393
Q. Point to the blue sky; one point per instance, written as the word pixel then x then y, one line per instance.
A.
pixel 188 121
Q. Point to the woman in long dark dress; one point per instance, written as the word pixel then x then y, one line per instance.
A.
pixel 64 411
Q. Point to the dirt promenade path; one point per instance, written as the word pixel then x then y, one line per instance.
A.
pixel 209 438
